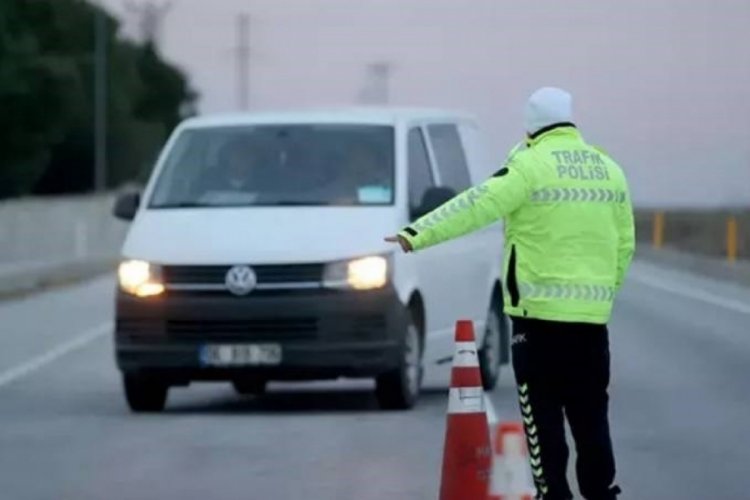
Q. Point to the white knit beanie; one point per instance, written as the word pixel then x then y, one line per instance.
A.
pixel 548 106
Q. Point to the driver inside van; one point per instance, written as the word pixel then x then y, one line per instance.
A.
pixel 236 175
pixel 239 164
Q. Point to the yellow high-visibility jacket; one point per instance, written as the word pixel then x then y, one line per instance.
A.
pixel 569 232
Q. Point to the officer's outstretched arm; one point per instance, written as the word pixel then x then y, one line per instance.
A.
pixel 473 209
pixel 626 235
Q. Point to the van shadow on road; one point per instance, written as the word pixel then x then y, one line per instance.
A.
pixel 296 401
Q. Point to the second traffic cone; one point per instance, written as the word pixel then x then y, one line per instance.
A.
pixel 467 454
pixel 511 479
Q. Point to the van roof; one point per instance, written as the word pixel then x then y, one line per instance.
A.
pixel 383 115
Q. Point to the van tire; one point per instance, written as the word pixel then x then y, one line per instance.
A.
pixel 491 353
pixel 145 394
pixel 399 389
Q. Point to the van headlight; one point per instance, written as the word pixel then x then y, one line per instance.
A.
pixel 367 273
pixel 140 278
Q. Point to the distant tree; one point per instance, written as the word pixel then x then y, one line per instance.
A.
pixel 37 91
pixel 162 100
pixel 46 99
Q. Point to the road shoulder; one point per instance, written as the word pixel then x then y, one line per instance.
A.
pixel 709 267
pixel 22 279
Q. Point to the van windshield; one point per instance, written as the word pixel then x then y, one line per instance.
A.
pixel 278 165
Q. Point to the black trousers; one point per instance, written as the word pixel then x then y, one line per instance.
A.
pixel 562 371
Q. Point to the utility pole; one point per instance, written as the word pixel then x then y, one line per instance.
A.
pixel 243 61
pixel 100 99
pixel 150 17
pixel 376 88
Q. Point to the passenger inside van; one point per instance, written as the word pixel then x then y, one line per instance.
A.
pixel 372 180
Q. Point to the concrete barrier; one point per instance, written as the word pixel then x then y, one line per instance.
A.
pixel 59 229
pixel 52 240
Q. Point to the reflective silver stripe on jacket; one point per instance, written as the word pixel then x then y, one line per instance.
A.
pixel 595 293
pixel 457 205
pixel 578 194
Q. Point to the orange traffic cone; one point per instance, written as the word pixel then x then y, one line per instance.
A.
pixel 467 454
pixel 511 479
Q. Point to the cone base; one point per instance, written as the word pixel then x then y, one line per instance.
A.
pixel 466 458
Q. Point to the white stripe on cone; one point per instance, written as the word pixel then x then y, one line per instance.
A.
pixel 466 400
pixel 466 355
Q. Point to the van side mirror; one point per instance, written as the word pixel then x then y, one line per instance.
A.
pixel 433 198
pixel 126 205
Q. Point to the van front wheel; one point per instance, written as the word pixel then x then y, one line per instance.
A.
pixel 399 389
pixel 145 394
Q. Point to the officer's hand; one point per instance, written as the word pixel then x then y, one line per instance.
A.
pixel 405 245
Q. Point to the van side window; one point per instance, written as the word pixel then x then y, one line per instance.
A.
pixel 450 156
pixel 420 175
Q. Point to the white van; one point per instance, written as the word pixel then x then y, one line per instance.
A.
pixel 256 253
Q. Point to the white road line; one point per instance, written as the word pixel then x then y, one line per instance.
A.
pixel 489 409
pixel 691 293
pixel 48 357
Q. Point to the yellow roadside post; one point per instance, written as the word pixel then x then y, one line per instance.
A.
pixel 658 229
pixel 732 239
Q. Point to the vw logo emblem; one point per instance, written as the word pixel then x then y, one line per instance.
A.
pixel 240 280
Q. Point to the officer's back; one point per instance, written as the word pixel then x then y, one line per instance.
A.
pixel 569 228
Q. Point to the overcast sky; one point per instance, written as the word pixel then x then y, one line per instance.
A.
pixel 664 85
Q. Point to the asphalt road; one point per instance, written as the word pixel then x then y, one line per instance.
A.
pixel 680 407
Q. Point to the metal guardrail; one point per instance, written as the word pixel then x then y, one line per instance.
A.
pixel 715 233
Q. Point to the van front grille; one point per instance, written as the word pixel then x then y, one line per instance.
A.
pixel 266 274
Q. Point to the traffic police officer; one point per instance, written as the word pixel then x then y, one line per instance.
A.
pixel 569 240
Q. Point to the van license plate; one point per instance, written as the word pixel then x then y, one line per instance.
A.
pixel 240 354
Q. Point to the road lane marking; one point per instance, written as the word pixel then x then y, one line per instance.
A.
pixel 39 362
pixel 489 409
pixel 731 304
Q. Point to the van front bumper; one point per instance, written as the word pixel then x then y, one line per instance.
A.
pixel 322 333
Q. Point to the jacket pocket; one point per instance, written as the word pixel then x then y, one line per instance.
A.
pixel 515 297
